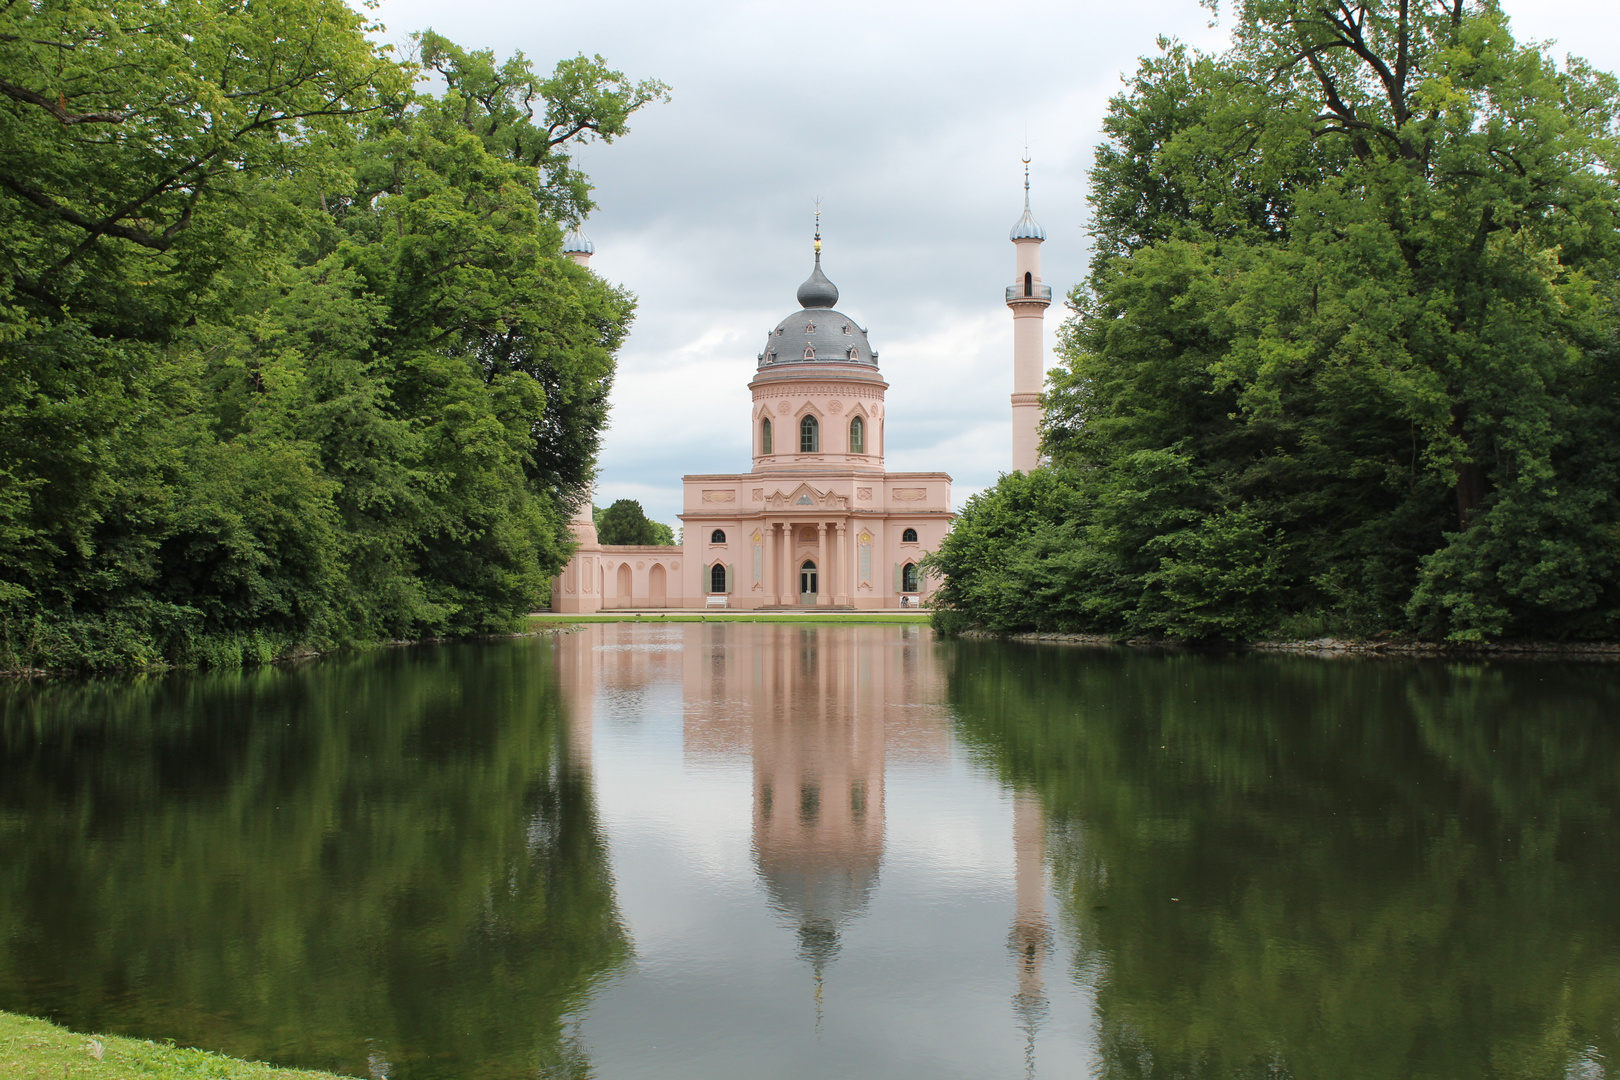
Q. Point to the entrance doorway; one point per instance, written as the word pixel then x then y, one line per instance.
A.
pixel 807 583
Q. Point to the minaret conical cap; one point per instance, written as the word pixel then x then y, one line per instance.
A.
pixel 577 243
pixel 817 291
pixel 1027 227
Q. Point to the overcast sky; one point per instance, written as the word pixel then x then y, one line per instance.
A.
pixel 908 120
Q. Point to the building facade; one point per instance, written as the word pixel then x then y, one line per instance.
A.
pixel 817 522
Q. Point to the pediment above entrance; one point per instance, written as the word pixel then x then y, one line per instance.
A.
pixel 805 497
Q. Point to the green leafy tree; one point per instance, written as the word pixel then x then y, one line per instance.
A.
pixel 288 352
pixel 626 523
pixel 1354 292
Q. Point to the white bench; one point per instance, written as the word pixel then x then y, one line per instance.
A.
pixel 715 601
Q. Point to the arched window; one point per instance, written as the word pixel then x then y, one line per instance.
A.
pixel 718 536
pixel 809 436
pixel 908 578
pixel 909 536
pixel 1029 283
pixel 809 352
pixel 854 354
pixel 765 437
pixel 857 436
pixel 717 578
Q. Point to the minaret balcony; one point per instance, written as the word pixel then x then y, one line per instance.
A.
pixel 1035 293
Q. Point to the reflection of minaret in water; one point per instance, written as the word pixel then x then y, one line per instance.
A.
pixel 1031 936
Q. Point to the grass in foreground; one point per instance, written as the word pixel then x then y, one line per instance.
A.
pixel 39 1050
pixel 741 616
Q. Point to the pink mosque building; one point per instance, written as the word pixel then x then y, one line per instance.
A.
pixel 818 521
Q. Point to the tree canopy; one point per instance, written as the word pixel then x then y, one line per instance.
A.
pixel 626 523
pixel 1346 358
pixel 288 352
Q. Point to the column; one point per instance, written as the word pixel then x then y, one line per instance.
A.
pixel 855 562
pixel 842 547
pixel 767 537
pixel 790 583
pixel 821 562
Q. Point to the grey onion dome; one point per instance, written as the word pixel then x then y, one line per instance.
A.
pixel 817 335
pixel 817 291
pixel 578 244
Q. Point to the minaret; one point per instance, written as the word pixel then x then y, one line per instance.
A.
pixel 579 248
pixel 1028 299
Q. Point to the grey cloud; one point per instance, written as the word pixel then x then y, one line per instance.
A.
pixel 908 119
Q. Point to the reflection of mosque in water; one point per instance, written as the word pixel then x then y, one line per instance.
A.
pixel 820 713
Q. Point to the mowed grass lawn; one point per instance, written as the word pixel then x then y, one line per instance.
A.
pixel 39 1050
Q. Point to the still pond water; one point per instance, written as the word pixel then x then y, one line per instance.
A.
pixel 744 851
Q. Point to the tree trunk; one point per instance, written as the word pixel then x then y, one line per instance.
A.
pixel 1470 477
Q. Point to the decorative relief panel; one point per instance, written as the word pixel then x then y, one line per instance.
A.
pixel 863 494
pixel 759 556
pixel 866 558
pixel 719 495
pixel 641 566
pixel 782 407
pixel 909 494
pixel 759 494
pixel 835 407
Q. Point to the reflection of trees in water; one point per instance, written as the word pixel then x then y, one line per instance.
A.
pixel 1288 867
pixel 383 858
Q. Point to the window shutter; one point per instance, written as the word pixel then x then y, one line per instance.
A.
pixel 899 584
pixel 728 577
